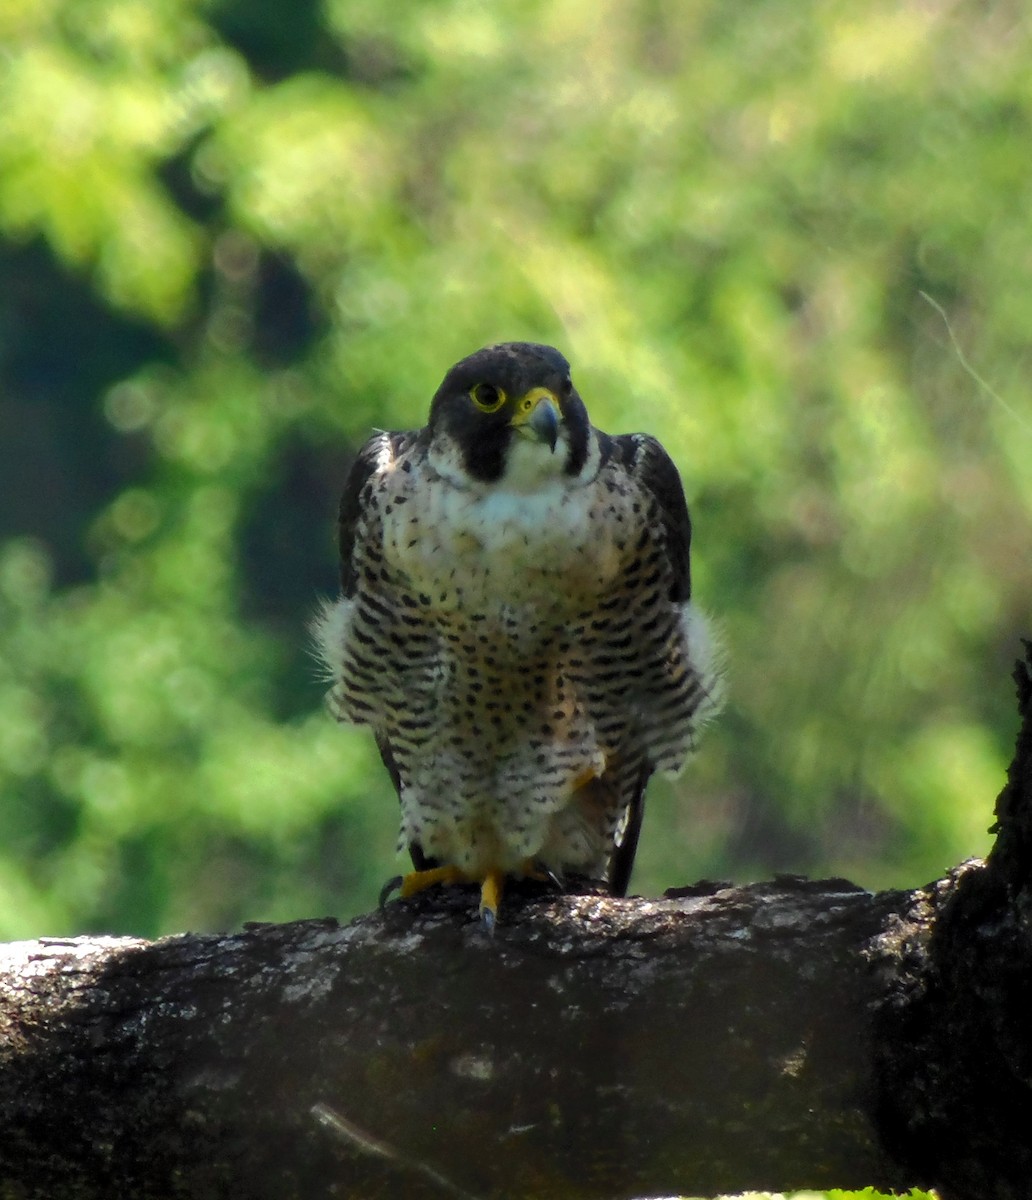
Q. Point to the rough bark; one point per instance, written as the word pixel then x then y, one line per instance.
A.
pixel 954 1035
pixel 782 1035
pixel 592 1047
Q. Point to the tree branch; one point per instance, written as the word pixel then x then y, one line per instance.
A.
pixel 782 1035
pixel 955 1036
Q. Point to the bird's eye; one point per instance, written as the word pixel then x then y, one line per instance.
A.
pixel 567 386
pixel 487 397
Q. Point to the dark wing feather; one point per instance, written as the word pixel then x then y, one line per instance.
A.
pixel 419 860
pixel 644 458
pixel 655 473
pixel 621 862
pixel 367 462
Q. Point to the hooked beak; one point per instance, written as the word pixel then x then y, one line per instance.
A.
pixel 538 416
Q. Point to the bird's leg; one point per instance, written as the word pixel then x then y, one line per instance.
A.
pixel 583 779
pixel 491 888
pixel 419 881
pixel 492 884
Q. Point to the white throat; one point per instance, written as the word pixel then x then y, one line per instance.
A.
pixel 530 468
pixel 531 465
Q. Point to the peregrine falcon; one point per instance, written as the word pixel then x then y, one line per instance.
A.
pixel 515 626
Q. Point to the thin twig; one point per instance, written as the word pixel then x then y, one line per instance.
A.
pixel 376 1147
pixel 962 359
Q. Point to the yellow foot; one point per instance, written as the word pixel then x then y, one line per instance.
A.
pixel 419 881
pixel 491 888
pixel 492 885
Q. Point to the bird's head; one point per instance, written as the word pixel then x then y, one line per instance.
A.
pixel 509 413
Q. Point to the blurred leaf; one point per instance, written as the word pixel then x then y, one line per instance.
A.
pixel 235 244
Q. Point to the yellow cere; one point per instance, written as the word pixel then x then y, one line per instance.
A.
pixel 530 402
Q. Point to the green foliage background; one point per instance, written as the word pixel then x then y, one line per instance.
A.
pixel 236 235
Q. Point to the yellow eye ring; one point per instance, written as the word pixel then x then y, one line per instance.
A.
pixel 487 397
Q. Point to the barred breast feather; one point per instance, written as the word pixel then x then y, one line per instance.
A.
pixel 526 658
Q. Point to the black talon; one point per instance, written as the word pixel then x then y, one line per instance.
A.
pixel 555 880
pixel 392 885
